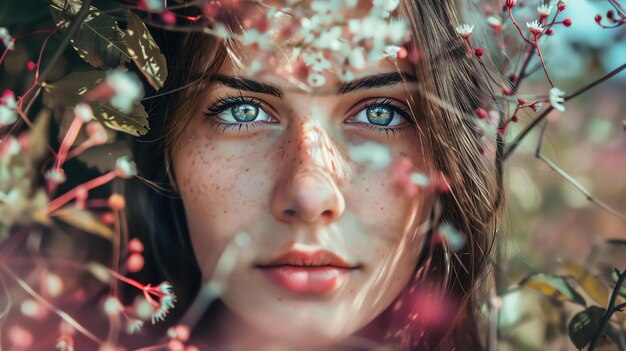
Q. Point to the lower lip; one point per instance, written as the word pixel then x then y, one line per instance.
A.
pixel 300 279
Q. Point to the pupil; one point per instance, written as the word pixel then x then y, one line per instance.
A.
pixel 245 112
pixel 380 115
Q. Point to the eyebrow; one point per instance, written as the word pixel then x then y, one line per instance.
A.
pixel 368 82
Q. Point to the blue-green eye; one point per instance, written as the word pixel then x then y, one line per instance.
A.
pixel 245 112
pixel 383 114
pixel 380 115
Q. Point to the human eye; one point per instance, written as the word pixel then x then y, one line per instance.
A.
pixel 238 112
pixel 383 115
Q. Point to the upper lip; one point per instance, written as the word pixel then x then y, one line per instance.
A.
pixel 308 259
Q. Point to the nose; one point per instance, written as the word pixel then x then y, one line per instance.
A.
pixel 307 188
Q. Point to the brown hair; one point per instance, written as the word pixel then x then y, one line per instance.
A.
pixel 450 90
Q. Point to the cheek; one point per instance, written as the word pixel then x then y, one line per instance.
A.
pixel 222 185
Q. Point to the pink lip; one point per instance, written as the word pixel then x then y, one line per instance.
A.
pixel 308 272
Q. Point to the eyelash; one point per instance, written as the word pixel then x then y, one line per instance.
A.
pixel 230 101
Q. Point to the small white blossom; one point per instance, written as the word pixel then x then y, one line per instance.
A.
pixel 6 38
pixel 392 51
pixel 420 179
pixel 154 5
pixel 133 326
pixel 127 89
pixel 535 27
pixel 316 80
pixel 544 10
pixel 557 98
pixel 374 155
pixel 83 111
pixel 357 58
pixel 453 237
pixel 494 22
pixel 112 306
pixel 125 168
pixel 465 30
pixel 56 176
pixel 387 5
pixel 8 106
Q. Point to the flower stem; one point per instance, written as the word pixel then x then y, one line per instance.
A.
pixel 70 195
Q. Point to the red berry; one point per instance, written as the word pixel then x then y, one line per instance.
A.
pixel 135 263
pixel 598 18
pixel 135 245
pixel 567 22
pixel 117 202
pixel 561 6
pixel 610 14
pixel 30 65
pixel 479 52
pixel 550 31
pixel 482 114
pixel 168 17
pixel 515 119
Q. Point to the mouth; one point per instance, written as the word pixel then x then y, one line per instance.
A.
pixel 308 272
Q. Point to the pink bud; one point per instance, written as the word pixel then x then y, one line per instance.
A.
pixel 506 91
pixel 482 114
pixel 479 52
pixel 135 263
pixel 598 18
pixel 515 119
pixel 168 17
pixel 521 101
pixel 510 3
pixel 135 245
pixel 31 65
pixel 107 218
pixel 561 6
pixel 550 31
pixel 117 202
pixel 175 345
pixel 610 15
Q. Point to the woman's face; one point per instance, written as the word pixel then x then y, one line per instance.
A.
pixel 312 245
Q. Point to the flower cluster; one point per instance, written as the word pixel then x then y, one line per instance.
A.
pixel 320 39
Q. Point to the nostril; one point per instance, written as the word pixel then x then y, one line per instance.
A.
pixel 328 214
pixel 289 213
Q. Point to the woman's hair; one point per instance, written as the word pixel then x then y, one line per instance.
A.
pixel 450 89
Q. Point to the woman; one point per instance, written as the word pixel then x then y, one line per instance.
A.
pixel 275 213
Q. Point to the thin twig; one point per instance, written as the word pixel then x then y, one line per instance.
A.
pixel 518 139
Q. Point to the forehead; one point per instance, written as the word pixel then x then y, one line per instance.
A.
pixel 316 45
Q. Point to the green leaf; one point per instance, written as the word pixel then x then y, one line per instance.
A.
pixel 589 282
pixel 69 89
pixel 99 41
pixel 144 52
pixel 554 286
pixel 84 220
pixel 135 123
pixel 584 326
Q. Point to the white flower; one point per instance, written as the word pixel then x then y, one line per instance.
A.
pixel 83 111
pixel 316 80
pixel 557 98
pixel 387 5
pixel 56 176
pixel 8 106
pixel 112 306
pixel 125 168
pixel 544 10
pixel 133 326
pixel 535 27
pixel 392 51
pixel 465 30
pixel 357 58
pixel 316 60
pixel 494 22
pixel 419 179
pixel 154 5
pixel 127 89
pixel 253 36
pixel 6 38
pixel 374 155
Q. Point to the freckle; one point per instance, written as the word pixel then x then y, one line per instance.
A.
pixel 247 169
pixel 225 211
pixel 381 208
pixel 351 291
pixel 367 189
pixel 280 299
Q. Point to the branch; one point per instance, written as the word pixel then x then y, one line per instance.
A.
pixel 518 139
pixel 609 311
